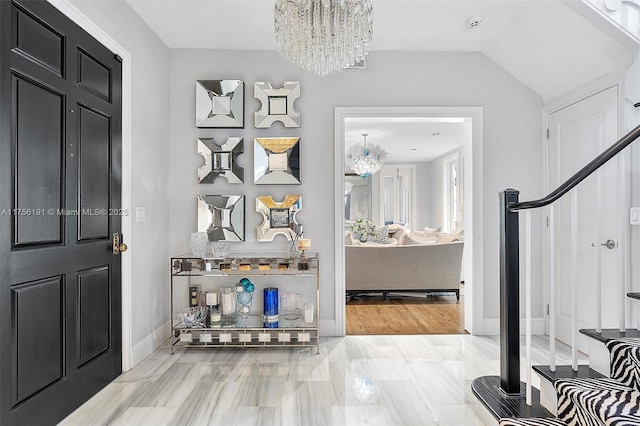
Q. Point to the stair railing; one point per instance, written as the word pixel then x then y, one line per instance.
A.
pixel 510 207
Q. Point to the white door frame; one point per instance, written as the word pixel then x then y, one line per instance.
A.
pixel 616 80
pixel 72 12
pixel 446 213
pixel 473 197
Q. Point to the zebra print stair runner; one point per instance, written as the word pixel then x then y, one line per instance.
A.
pixel 612 401
pixel 625 361
pixel 587 402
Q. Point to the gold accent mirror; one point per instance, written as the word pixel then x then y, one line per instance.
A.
pixel 278 218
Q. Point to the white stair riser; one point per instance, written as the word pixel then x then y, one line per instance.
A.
pixel 599 358
pixel 548 396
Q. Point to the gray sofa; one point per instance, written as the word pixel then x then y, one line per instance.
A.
pixel 403 268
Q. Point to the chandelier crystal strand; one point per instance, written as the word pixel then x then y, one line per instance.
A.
pixel 323 36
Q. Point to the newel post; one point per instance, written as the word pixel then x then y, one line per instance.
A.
pixel 509 294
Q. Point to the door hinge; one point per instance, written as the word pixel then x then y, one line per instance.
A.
pixel 547 309
pixel 547 221
pixel 547 133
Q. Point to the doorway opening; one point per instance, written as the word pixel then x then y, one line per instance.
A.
pixel 439 200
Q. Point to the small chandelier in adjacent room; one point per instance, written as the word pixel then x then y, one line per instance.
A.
pixel 365 160
pixel 323 36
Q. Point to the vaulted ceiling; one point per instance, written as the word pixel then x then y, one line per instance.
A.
pixel 547 44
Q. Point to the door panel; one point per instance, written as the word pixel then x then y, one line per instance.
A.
pixel 38 321
pixel 94 76
pixel 578 134
pixel 94 145
pixel 94 288
pixel 60 152
pixel 39 148
pixel 38 42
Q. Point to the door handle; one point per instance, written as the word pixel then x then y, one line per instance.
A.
pixel 610 244
pixel 118 246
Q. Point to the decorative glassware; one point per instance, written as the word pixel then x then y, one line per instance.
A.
pixel 199 242
pixel 270 302
pixel 193 317
pixel 222 249
pixel 244 305
pixel 244 293
pixel 291 306
pixel 228 305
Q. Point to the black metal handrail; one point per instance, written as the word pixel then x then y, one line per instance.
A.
pixel 581 174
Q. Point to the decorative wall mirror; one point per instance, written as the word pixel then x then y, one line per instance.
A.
pixel 277 104
pixel 221 217
pixel 220 160
pixel 219 103
pixel 276 161
pixel 278 218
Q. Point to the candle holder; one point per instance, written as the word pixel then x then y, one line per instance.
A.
pixel 291 306
pixel 304 244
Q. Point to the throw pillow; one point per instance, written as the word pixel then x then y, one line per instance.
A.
pixel 348 241
pixel 428 230
pixel 446 238
pixel 412 240
pixel 381 234
pixel 458 232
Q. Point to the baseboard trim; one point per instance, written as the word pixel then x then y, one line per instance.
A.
pixel 328 328
pixel 146 346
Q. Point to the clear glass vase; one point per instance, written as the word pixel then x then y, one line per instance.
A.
pixel 199 242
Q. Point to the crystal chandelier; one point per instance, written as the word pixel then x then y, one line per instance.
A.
pixel 365 160
pixel 323 36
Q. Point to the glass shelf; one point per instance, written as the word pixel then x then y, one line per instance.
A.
pixel 253 321
pixel 250 333
pixel 246 264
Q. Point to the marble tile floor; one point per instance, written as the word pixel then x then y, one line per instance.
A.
pixel 355 380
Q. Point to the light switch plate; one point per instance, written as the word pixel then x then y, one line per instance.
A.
pixel 140 214
pixel 634 215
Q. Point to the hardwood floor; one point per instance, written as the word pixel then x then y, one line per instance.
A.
pixel 433 314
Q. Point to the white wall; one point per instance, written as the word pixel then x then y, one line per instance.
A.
pixel 424 195
pixel 436 188
pixel 512 139
pixel 148 246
